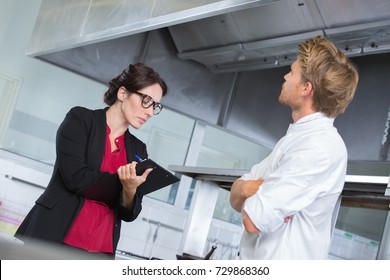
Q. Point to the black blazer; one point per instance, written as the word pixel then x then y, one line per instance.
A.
pixel 76 175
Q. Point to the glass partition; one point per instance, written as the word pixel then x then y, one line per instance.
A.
pixel 358 233
pixel 167 137
pixel 221 149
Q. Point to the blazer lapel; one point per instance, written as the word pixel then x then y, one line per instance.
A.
pixel 97 139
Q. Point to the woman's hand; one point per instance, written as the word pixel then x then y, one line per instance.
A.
pixel 130 182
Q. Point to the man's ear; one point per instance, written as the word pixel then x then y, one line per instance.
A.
pixel 308 89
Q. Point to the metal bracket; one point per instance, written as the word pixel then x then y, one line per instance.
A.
pixel 387 191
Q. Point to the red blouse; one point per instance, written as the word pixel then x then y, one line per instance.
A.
pixel 93 228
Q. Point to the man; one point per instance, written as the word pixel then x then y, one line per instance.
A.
pixel 287 200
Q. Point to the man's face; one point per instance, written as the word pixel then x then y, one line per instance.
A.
pixel 292 87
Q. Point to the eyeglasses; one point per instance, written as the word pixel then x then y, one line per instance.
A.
pixel 148 102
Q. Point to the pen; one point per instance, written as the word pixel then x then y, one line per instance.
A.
pixel 137 157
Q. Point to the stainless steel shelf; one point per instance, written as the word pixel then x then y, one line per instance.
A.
pixel 359 191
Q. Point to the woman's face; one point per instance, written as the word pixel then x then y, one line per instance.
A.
pixel 133 111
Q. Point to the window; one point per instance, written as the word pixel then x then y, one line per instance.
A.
pixel 9 88
pixel 358 233
pixel 167 137
pixel 221 149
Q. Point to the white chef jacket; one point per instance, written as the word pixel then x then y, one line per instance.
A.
pixel 303 176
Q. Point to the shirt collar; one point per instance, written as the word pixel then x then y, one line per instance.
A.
pixel 119 141
pixel 312 117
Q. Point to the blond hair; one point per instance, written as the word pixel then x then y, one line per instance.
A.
pixel 333 76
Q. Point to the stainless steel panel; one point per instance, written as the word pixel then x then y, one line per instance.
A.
pixel 211 52
pixel 358 191
pixel 101 61
pixel 58 21
pixel 91 21
pixel 363 123
pixel 269 21
pixel 238 41
pixel 270 53
pixel 336 13
pixel 193 90
pixel 256 112
pixel 360 183
pixel 199 218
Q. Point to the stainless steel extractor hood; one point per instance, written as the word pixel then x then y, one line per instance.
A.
pixel 68 24
pixel 217 55
pixel 225 36
pixel 267 36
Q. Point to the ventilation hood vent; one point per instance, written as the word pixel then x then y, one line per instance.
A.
pixel 267 36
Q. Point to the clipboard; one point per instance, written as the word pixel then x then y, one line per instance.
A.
pixel 157 179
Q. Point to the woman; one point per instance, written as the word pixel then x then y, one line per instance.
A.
pixel 94 182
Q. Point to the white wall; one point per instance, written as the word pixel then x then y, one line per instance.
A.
pixel 45 92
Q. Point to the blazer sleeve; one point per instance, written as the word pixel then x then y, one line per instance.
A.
pixel 133 146
pixel 130 214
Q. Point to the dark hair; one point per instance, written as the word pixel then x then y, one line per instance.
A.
pixel 134 78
